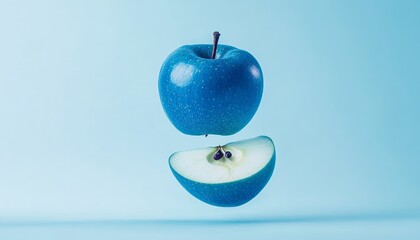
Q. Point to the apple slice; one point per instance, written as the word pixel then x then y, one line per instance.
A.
pixel 230 181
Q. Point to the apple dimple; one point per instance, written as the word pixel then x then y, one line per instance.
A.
pixel 203 53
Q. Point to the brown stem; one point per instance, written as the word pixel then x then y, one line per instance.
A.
pixel 216 36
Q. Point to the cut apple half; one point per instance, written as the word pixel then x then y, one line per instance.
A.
pixel 230 181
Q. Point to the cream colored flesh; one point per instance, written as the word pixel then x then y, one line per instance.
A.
pixel 248 157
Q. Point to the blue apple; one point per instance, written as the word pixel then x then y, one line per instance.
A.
pixel 226 176
pixel 201 95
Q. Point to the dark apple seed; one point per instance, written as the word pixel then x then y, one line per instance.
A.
pixel 218 155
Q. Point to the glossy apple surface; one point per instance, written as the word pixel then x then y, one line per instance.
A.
pixel 227 182
pixel 203 96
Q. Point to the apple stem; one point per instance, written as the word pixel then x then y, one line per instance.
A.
pixel 216 36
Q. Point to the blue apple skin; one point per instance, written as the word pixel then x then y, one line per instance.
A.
pixel 231 194
pixel 210 96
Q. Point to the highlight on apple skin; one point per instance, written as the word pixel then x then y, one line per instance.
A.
pixel 231 180
pixel 216 96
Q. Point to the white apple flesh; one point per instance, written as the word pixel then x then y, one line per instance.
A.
pixel 230 181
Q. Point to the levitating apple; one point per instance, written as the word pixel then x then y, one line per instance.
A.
pixel 226 176
pixel 210 89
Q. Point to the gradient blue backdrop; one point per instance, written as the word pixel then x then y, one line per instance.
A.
pixel 83 134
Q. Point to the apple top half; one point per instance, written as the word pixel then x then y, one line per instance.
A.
pixel 217 96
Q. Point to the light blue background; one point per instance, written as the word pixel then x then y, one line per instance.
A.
pixel 83 134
